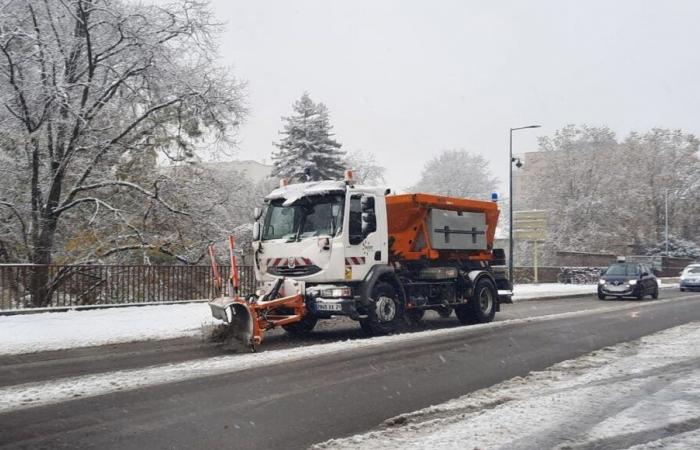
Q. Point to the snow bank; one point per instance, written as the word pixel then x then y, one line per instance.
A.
pixel 26 333
pixel 548 290
pixel 640 394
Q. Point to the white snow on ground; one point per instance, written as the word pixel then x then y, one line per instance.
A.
pixel 544 290
pixel 25 333
pixel 59 390
pixel 643 394
pixel 547 290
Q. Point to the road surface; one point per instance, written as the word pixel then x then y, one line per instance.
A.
pixel 300 403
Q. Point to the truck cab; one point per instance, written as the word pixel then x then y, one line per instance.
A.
pixel 324 238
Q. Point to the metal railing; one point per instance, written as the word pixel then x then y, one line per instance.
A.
pixel 111 284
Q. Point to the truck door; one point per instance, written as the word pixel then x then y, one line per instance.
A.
pixel 364 246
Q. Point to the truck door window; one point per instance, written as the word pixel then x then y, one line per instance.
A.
pixel 355 220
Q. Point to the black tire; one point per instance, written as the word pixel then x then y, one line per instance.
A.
pixel 385 313
pixel 640 295
pixel 655 294
pixel 414 315
pixel 682 289
pixel 601 296
pixel 481 307
pixel 302 328
pixel 444 312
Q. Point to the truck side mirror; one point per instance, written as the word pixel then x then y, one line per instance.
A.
pixel 257 213
pixel 369 223
pixel 367 204
pixel 256 231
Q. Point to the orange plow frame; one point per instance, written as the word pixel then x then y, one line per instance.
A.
pixel 249 319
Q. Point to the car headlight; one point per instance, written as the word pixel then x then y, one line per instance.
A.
pixel 337 292
pixel 601 282
pixel 632 282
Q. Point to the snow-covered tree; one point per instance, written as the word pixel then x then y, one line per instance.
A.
pixel 365 168
pixel 92 92
pixel 604 195
pixel 307 150
pixel 457 173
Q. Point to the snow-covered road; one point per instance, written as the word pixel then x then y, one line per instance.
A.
pixel 27 333
pixel 642 394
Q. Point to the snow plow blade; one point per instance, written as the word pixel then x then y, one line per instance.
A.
pixel 247 321
pixel 238 316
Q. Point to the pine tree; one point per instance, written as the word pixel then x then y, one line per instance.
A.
pixel 307 150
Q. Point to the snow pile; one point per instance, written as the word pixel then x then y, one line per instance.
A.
pixel 544 290
pixel 28 333
pixel 640 394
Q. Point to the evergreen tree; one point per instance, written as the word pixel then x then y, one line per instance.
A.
pixel 307 150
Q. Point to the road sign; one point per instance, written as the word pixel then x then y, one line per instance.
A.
pixel 530 226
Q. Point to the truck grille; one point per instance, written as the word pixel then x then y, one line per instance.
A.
pixel 298 271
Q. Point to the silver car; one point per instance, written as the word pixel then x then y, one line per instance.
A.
pixel 690 278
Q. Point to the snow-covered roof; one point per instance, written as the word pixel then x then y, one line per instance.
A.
pixel 294 191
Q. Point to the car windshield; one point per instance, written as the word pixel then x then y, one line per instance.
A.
pixel 306 217
pixel 623 270
pixel 694 269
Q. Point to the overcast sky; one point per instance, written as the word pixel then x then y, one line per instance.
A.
pixel 406 79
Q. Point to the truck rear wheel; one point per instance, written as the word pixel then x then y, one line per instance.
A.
pixel 385 312
pixel 481 307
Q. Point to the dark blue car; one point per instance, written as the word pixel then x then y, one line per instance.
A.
pixel 628 280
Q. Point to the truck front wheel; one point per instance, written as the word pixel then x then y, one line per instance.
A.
pixel 481 307
pixel 385 312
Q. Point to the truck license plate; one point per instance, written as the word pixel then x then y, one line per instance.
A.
pixel 322 306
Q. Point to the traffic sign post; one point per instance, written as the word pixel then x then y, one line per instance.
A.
pixel 531 226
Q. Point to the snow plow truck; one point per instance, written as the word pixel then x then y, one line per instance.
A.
pixel 335 248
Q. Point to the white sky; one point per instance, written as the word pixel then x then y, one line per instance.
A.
pixel 406 79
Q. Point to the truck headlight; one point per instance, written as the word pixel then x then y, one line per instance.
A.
pixel 337 292
pixel 632 282
pixel 601 282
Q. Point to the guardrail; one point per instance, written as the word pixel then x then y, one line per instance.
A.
pixel 111 284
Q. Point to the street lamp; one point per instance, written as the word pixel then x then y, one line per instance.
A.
pixel 510 233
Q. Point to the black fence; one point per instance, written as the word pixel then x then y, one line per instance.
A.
pixel 111 285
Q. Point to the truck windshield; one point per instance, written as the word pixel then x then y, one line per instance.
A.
pixel 309 216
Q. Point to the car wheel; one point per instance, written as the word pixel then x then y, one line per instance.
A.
pixel 682 289
pixel 655 294
pixel 601 296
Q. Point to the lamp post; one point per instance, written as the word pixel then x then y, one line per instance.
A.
pixel 510 202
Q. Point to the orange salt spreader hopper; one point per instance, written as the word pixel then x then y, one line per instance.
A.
pixel 408 217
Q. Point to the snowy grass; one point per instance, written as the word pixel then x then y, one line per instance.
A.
pixel 640 394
